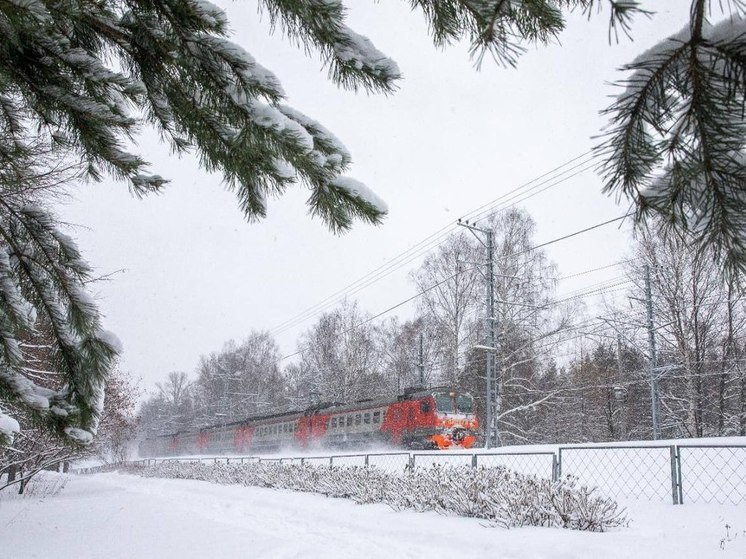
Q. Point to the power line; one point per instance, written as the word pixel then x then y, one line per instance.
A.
pixel 434 240
pixel 619 263
pixel 492 203
pixel 441 282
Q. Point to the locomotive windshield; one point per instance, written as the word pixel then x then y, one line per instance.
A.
pixel 444 402
pixel 451 402
pixel 465 403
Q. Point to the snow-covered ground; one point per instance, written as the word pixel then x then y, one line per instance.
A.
pixel 109 516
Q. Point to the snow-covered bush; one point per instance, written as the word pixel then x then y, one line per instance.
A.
pixel 499 495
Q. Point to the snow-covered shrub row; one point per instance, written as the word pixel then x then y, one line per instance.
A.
pixel 498 494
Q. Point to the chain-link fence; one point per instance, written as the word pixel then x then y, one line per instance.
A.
pixel 394 462
pixel 317 460
pixel 674 473
pixel 712 474
pixel 539 464
pixel 426 460
pixel 631 472
pixel 360 460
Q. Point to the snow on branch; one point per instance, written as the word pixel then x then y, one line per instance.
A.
pixel 8 429
pixel 358 190
pixel 353 59
pixel 358 51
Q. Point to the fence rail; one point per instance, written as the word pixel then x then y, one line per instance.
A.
pixel 668 473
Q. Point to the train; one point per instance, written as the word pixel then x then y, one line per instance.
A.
pixel 418 419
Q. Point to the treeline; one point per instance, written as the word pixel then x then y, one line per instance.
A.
pixel 570 367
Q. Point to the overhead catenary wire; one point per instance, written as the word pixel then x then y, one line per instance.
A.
pixel 428 244
pixel 436 239
pixel 612 265
pixel 441 282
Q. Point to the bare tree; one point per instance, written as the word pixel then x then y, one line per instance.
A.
pixel 341 356
pixel 452 288
pixel 700 322
pixel 242 379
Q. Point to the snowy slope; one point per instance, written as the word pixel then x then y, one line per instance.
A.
pixel 109 516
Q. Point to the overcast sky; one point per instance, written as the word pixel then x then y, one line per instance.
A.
pixel 450 140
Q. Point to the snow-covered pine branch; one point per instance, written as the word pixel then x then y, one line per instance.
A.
pixel 675 144
pixel 43 297
pixel 89 78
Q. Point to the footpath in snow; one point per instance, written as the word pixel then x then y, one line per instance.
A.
pixel 111 516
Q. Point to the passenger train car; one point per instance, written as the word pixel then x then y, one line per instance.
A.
pixel 436 418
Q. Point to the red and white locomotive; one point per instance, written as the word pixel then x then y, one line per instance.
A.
pixel 436 418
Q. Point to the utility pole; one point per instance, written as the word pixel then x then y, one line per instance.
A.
pixel 654 408
pixel 491 436
pixel 620 378
pixel 421 364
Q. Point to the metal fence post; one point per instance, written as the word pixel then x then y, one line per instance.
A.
pixel 674 476
pixel 367 460
pixel 302 461
pixel 555 468
pixel 474 460
pixel 559 464
pixel 679 475
pixel 411 462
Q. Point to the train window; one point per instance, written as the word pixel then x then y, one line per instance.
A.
pixel 376 417
pixel 334 422
pixel 349 421
pixel 444 402
pixel 366 418
pixel 357 419
pixel 465 403
pixel 425 407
